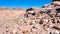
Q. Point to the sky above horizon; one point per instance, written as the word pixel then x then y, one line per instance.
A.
pixel 24 3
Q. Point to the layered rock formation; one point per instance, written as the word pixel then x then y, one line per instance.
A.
pixel 45 20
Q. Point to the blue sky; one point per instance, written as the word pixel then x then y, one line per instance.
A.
pixel 24 3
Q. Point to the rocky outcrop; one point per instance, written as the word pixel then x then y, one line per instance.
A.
pixel 45 20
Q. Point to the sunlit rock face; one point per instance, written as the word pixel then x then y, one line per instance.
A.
pixel 44 20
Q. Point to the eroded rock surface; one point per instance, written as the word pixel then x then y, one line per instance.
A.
pixel 45 20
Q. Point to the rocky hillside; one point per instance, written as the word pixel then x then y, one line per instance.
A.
pixel 44 20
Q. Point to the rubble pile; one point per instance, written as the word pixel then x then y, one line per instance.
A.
pixel 45 20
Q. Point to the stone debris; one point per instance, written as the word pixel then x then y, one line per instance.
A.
pixel 45 20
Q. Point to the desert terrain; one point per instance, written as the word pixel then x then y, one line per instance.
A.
pixel 44 20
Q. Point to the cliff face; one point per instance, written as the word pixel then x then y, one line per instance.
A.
pixel 45 20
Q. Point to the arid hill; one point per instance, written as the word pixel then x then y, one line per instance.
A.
pixel 44 20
